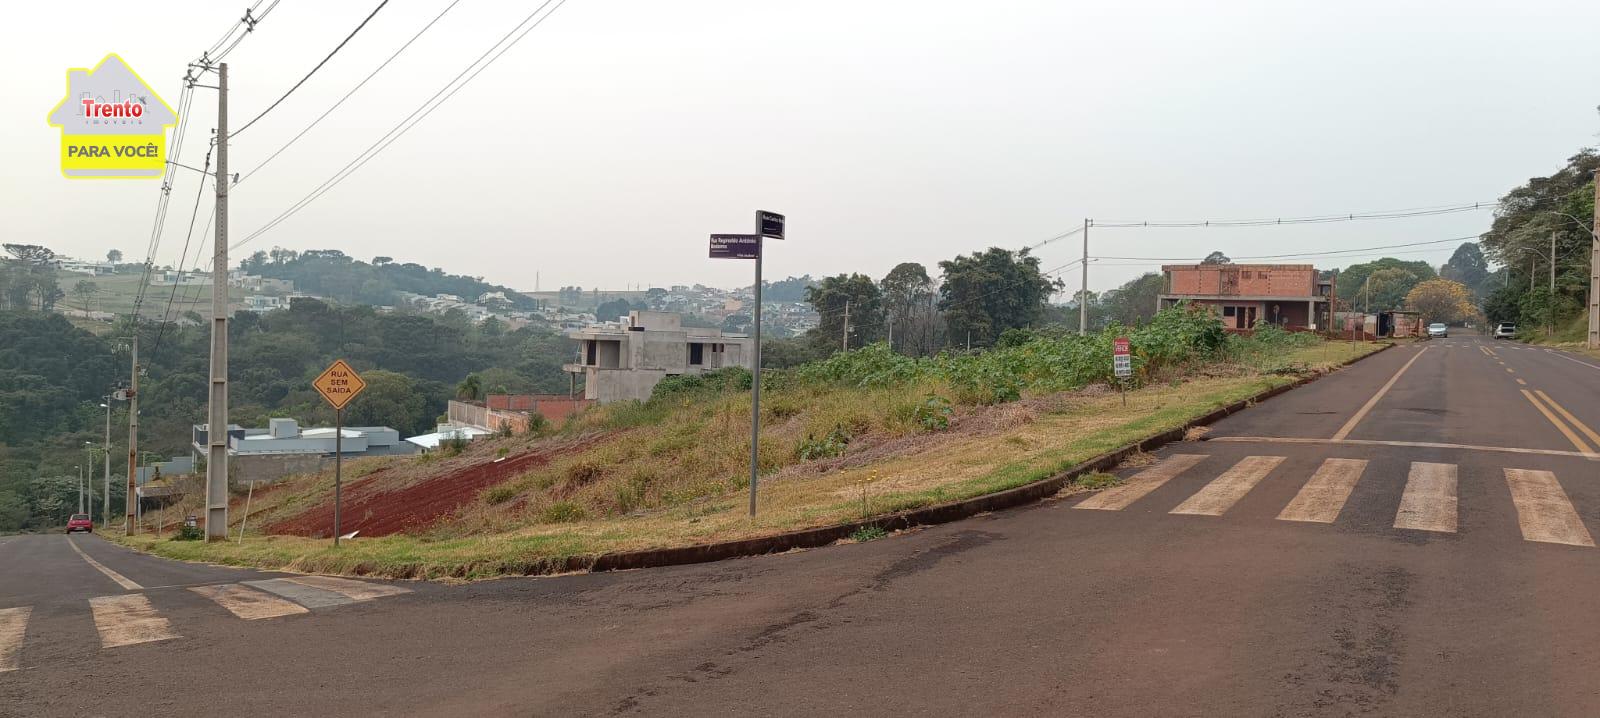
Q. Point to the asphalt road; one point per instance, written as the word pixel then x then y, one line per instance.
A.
pixel 1435 560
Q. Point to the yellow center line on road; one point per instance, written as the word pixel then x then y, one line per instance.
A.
pixel 1522 382
pixel 113 575
pixel 1361 413
pixel 13 626
pixel 1509 370
pixel 1569 417
pixel 1572 437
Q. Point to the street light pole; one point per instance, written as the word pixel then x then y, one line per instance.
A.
pixel 106 449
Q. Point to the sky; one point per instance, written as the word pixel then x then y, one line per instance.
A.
pixel 603 147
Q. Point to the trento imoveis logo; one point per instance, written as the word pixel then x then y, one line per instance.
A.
pixel 113 126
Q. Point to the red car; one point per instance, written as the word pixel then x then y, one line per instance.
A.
pixel 80 522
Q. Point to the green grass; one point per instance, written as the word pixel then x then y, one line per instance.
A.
pixel 678 478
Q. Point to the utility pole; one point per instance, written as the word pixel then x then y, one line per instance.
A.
pixel 133 432
pixel 217 410
pixel 80 488
pixel 1550 306
pixel 105 510
pixel 1594 270
pixel 1083 296
pixel 844 342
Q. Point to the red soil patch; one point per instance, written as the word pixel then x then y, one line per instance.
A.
pixel 374 511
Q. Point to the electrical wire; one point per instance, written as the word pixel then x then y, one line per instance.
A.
pixel 423 110
pixel 313 71
pixel 1301 254
pixel 347 95
pixel 1315 219
pixel 167 312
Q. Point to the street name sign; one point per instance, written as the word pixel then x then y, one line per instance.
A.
pixel 771 224
pixel 338 384
pixel 735 246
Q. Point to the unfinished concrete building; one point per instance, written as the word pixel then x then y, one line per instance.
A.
pixel 624 360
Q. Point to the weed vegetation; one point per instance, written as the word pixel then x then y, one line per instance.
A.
pixel 861 434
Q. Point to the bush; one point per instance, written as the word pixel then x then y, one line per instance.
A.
pixel 831 444
pixel 727 380
pixel 562 512
pixel 186 532
pixel 933 414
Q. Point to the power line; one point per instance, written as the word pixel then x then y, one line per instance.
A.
pixel 347 95
pixel 1315 219
pixel 198 193
pixel 1300 254
pixel 423 110
pixel 313 71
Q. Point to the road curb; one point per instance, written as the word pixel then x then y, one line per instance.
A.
pixel 926 516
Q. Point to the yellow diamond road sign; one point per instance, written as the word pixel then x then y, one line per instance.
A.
pixel 339 384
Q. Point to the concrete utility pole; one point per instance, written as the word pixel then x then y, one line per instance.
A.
pixel 80 488
pixel 844 342
pixel 133 431
pixel 105 510
pixel 1083 296
pixel 217 411
pixel 1594 270
pixel 1550 307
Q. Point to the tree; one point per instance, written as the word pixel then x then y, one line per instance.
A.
pixel 30 254
pixel 85 291
pixel 1389 290
pixel 910 301
pixel 1441 300
pixel 13 511
pixel 989 292
pixel 610 310
pixel 114 256
pixel 470 388
pixel 1134 302
pixel 1469 267
pixel 1216 258
pixel 830 299
pixel 390 399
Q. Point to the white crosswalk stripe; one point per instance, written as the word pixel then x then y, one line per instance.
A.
pixel 128 619
pixel 248 603
pixel 1118 497
pixel 13 626
pixel 1429 501
pixel 1323 497
pixel 133 618
pixel 1543 510
pixel 1226 490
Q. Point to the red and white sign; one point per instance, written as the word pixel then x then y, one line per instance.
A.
pixel 1121 358
pixel 1119 346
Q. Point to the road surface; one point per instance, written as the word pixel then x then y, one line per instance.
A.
pixel 1412 536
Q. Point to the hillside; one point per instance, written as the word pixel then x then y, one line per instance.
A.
pixel 862 434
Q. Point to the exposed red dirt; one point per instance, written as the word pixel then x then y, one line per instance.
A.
pixel 374 511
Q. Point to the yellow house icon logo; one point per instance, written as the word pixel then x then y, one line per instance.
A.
pixel 113 126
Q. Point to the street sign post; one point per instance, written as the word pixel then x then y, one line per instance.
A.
pixel 1122 364
pixel 748 246
pixel 337 384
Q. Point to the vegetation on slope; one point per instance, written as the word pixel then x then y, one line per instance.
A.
pixel 864 433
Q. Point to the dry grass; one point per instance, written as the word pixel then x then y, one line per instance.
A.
pixel 679 478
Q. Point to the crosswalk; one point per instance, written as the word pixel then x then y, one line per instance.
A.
pixel 133 618
pixel 1429 501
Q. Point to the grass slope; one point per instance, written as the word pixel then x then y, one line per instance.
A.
pixel 672 473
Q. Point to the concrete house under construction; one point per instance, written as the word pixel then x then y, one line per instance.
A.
pixel 1246 295
pixel 624 360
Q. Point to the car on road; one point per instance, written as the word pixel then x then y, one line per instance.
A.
pixel 80 522
pixel 1505 330
pixel 1438 329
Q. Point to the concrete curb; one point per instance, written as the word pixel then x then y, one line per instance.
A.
pixel 926 516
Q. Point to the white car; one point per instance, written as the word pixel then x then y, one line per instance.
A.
pixel 1505 330
pixel 1438 329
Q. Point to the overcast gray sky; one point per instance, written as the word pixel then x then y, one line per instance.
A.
pixel 603 148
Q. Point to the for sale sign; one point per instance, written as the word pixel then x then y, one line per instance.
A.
pixel 1121 357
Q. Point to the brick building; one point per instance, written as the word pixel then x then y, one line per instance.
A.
pixel 1246 295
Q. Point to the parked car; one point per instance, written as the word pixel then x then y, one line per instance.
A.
pixel 1505 330
pixel 80 522
pixel 1438 329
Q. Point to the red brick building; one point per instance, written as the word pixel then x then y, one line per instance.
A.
pixel 1246 295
